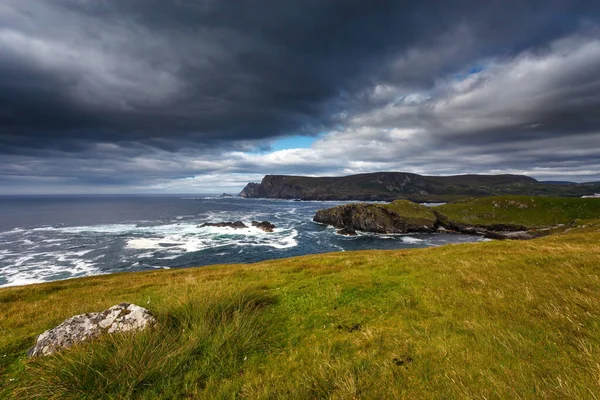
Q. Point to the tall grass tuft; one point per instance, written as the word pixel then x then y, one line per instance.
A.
pixel 200 337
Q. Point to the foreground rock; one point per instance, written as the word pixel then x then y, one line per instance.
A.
pixel 265 226
pixel 234 225
pixel 124 317
pixel 399 217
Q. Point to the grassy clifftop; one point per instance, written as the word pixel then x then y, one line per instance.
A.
pixel 411 210
pixel 487 320
pixel 521 210
pixel 388 186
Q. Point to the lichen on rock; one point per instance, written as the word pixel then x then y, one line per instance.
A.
pixel 123 317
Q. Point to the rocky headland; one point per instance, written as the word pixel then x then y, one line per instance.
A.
pixel 504 217
pixel 401 216
pixel 389 186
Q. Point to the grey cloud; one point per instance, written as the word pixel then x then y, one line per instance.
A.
pixel 142 91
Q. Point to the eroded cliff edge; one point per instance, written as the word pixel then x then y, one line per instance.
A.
pixel 389 186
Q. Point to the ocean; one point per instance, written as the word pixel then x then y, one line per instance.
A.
pixel 48 238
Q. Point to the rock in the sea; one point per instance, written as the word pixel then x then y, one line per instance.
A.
pixel 123 317
pixel 265 226
pixel 234 225
pixel 347 232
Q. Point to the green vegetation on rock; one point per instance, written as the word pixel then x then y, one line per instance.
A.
pixel 528 211
pixel 401 216
pixel 499 319
pixel 412 211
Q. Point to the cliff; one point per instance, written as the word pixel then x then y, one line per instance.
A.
pixel 401 216
pixel 388 186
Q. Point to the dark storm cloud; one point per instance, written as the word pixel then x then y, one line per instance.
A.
pixel 194 71
pixel 137 92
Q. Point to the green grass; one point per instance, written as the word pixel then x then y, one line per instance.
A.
pixel 491 320
pixel 529 211
pixel 410 210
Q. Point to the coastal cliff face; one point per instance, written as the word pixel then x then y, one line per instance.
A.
pixel 398 217
pixel 389 186
pixel 253 190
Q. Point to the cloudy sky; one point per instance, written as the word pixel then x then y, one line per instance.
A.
pixel 144 96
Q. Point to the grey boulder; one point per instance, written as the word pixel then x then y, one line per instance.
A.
pixel 124 317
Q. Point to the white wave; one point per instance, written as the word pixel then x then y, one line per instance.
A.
pixel 411 240
pixel 191 238
pixel 43 271
pixel 143 243
pixel 286 242
pixel 21 281
pixel 53 240
pixel 144 255
pixel 19 261
pixel 168 257
pixel 13 231
pixel 386 237
pixel 5 254
pixel 102 228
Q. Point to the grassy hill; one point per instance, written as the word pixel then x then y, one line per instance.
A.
pixel 487 320
pixel 388 186
pixel 532 212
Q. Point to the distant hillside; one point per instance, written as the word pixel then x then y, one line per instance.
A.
pixel 387 186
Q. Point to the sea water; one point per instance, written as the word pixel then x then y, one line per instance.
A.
pixel 47 238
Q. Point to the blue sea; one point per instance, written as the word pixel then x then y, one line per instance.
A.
pixel 48 238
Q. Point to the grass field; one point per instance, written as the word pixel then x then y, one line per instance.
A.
pixel 529 211
pixel 493 320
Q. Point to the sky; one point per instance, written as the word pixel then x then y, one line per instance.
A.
pixel 201 96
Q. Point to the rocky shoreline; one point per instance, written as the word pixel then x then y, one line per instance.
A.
pixel 404 217
pixel 373 218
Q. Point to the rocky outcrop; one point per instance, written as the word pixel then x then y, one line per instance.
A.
pixel 346 232
pixel 265 226
pixel 402 216
pixel 372 218
pixel 124 317
pixel 234 225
